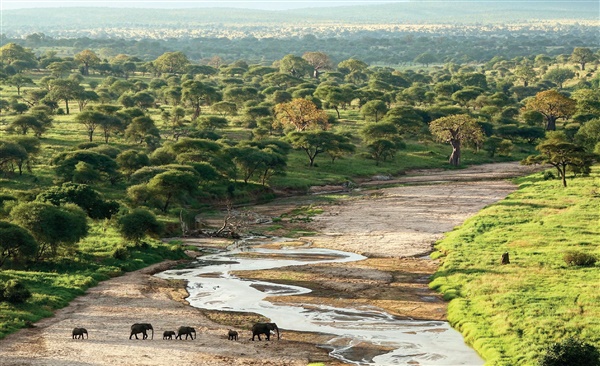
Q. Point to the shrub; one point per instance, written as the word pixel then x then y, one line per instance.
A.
pixel 14 292
pixel 120 253
pixel 571 352
pixel 579 259
pixel 548 175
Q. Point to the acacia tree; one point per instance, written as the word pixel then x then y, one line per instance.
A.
pixel 90 120
pixel 456 129
pixel 19 81
pixel 64 89
pixel 172 185
pixel 374 109
pixel 314 143
pixel 552 105
pixel 53 227
pixel 557 151
pixel 302 114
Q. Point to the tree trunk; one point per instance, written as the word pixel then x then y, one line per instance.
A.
pixel 67 105
pixel 91 135
pixel 551 123
pixel 455 156
pixel 337 110
pixel 563 174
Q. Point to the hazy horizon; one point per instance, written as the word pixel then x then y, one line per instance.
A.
pixel 243 4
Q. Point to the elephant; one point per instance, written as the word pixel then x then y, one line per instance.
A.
pixel 168 334
pixel 232 335
pixel 79 332
pixel 187 331
pixel 141 328
pixel 264 328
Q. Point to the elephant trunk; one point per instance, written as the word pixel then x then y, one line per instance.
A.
pixel 152 329
pixel 86 335
pixel 277 329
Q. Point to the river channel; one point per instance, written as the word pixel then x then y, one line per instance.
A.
pixel 212 286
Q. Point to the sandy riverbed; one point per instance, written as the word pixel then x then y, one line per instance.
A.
pixel 394 226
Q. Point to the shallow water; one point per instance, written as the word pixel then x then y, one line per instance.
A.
pixel 211 286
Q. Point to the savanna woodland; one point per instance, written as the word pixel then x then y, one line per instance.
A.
pixel 114 135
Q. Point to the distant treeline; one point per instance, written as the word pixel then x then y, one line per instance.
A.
pixel 457 44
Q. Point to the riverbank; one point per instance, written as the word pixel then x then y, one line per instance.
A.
pixel 394 226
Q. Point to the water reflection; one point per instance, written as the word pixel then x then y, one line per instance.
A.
pixel 401 342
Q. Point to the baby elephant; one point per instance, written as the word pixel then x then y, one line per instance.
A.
pixel 168 334
pixel 232 335
pixel 79 332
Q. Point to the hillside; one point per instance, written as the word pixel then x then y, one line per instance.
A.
pixel 70 22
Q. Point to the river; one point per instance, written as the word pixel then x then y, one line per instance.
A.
pixel 212 286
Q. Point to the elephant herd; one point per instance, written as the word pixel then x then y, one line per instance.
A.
pixel 143 328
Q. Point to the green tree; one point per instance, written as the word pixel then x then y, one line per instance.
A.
pixel 66 163
pixel 24 123
pixel 425 59
pixel 314 143
pixel 12 154
pixel 90 120
pixel 526 74
pixel 137 224
pixel 374 110
pixel 53 227
pixel 82 195
pixel 171 63
pixel 16 243
pixel 559 76
pixel 67 90
pixel 173 185
pixel 19 81
pixel 588 135
pixel 294 66
pixel 582 55
pixel 456 130
pixel 196 94
pixel 140 128
pixel 131 160
pixel 557 151
pixel 225 108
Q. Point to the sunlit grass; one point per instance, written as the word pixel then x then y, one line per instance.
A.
pixel 511 313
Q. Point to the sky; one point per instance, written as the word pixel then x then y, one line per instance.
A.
pixel 178 4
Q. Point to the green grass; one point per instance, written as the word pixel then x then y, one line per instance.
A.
pixel 511 313
pixel 55 283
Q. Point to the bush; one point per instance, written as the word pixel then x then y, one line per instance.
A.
pixel 571 352
pixel 579 259
pixel 120 253
pixel 548 175
pixel 14 292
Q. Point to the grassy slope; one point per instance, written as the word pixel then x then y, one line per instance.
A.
pixel 510 313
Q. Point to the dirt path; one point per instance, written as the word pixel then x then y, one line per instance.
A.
pixel 393 226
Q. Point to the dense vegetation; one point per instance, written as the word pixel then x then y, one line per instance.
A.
pixel 101 149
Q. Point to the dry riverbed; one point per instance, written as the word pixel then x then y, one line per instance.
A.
pixel 395 227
